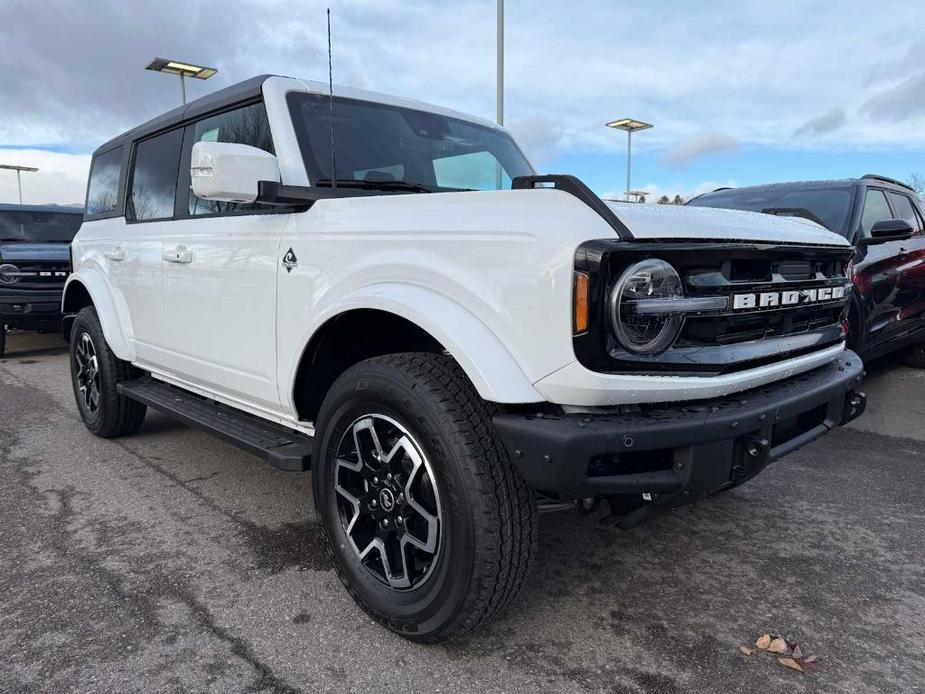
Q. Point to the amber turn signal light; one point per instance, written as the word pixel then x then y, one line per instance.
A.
pixel 581 302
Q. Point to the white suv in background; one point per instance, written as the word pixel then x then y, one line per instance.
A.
pixel 448 340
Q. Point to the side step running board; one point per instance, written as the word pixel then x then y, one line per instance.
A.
pixel 282 447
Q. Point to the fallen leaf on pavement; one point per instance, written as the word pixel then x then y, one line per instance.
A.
pixel 745 650
pixel 797 653
pixel 764 642
pixel 778 645
pixel 791 663
pixel 810 659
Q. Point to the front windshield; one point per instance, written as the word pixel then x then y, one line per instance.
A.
pixel 39 227
pixel 381 144
pixel 828 206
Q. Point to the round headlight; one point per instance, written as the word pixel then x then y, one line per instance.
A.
pixel 7 275
pixel 638 328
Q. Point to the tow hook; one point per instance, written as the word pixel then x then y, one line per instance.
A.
pixel 855 404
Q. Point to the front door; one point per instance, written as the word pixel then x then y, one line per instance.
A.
pixel 220 304
pixel 891 274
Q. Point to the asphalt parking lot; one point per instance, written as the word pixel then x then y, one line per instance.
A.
pixel 170 561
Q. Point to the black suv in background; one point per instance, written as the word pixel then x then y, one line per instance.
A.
pixel 884 219
pixel 35 261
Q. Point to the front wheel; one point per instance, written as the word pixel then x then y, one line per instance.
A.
pixel 429 524
pixel 95 375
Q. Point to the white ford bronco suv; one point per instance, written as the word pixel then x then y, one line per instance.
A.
pixel 384 292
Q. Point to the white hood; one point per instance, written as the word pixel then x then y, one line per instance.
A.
pixel 683 222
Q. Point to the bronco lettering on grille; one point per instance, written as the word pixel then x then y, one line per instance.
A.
pixel 788 298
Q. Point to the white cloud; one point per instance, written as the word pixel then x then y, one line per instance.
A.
pixel 899 102
pixel 822 124
pixel 61 178
pixel 699 146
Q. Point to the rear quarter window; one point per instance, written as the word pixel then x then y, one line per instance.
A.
pixel 103 186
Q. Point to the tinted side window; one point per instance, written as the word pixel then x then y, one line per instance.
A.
pixel 103 188
pixel 243 126
pixel 876 210
pixel 154 176
pixel 904 210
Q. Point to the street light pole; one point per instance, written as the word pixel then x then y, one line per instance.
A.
pixel 629 156
pixel 183 87
pixel 629 125
pixel 18 169
pixel 500 56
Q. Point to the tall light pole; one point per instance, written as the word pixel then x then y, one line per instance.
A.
pixel 500 57
pixel 18 170
pixel 184 70
pixel 630 125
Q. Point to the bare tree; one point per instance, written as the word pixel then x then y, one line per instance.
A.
pixel 917 181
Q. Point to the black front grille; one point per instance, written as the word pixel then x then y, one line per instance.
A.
pixel 729 330
pixel 34 275
pixel 740 336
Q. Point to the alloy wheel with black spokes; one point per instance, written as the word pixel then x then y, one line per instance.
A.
pixel 430 527
pixel 388 501
pixel 96 373
pixel 87 372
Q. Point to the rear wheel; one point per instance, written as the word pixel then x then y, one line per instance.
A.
pixel 95 375
pixel 915 357
pixel 429 524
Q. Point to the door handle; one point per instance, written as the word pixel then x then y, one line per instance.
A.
pixel 115 253
pixel 180 254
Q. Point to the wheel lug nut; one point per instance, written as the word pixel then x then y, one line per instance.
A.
pixel 388 476
pixel 399 521
pixel 401 498
pixel 375 480
pixel 385 522
pixel 373 504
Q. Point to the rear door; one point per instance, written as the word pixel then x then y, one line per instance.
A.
pixel 909 268
pixel 220 262
pixel 149 208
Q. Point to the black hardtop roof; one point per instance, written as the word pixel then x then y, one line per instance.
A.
pixel 204 104
pixel 60 209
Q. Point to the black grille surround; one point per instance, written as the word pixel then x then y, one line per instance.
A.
pixel 723 341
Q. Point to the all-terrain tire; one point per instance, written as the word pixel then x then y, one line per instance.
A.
pixel 111 414
pixel 488 521
pixel 915 357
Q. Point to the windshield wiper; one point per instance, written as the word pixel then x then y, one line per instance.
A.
pixel 377 185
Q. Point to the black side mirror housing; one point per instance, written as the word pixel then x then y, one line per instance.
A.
pixel 888 230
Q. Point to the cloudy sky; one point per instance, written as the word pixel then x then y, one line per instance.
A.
pixel 740 92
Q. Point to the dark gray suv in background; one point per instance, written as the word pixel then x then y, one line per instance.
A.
pixel 35 261
pixel 884 219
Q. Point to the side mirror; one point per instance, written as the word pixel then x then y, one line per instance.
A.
pixel 889 230
pixel 230 172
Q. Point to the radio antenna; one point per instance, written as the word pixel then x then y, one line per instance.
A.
pixel 331 102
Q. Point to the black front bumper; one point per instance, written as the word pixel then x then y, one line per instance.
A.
pixel 31 310
pixel 676 454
